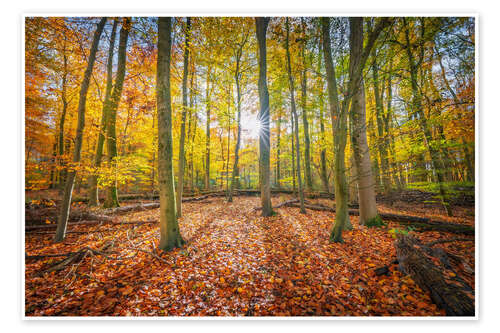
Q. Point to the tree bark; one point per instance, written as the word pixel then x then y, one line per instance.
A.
pixel 170 236
pixel 93 191
pixel 111 191
pixel 357 115
pixel 180 175
pixel 339 129
pixel 303 83
pixel 207 142
pixel 261 24
pixel 70 180
pixel 294 117
pixel 239 53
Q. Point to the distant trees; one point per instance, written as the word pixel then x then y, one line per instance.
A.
pixel 93 191
pixel 70 179
pixel 170 236
pixel 399 94
pixel 111 191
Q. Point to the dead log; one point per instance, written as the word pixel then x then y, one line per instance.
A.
pixel 417 222
pixel 85 223
pixel 455 298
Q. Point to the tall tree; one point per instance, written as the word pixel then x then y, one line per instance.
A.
pixel 261 24
pixel 207 136
pixel 180 175
pixel 70 179
pixel 111 191
pixel 357 115
pixel 237 74
pixel 170 236
pixel 303 102
pixel 294 115
pixel 339 128
pixel 93 191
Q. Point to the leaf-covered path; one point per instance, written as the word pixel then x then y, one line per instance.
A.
pixel 235 263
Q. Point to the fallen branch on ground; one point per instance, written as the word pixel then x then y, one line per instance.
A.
pixel 455 298
pixel 420 223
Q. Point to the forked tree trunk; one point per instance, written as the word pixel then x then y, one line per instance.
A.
pixel 111 191
pixel 239 53
pixel 180 175
pixel 170 236
pixel 339 128
pixel 93 191
pixel 70 180
pixel 264 135
pixel 294 117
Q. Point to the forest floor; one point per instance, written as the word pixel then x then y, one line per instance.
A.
pixel 235 263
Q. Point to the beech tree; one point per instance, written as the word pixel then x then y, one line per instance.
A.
pixel 261 24
pixel 180 175
pixel 170 236
pixel 70 179
pixel 93 191
pixel 294 116
pixel 111 191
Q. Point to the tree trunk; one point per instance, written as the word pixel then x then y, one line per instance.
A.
pixel 303 83
pixel 357 115
pixel 180 175
pixel 339 128
pixel 323 171
pixel 418 110
pixel 294 118
pixel 264 135
pixel 93 191
pixel 111 191
pixel 278 153
pixel 382 132
pixel 70 181
pixel 207 142
pixel 170 236
pixel 239 53
pixel 63 172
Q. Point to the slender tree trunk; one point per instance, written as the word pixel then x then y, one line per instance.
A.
pixel 70 180
pixel 278 152
pixel 207 142
pixel 238 137
pixel 303 83
pixel 170 236
pixel 382 132
pixel 93 191
pixel 339 128
pixel 180 175
pixel 323 171
pixel 418 110
pixel 294 117
pixel 261 24
pixel 294 185
pixel 111 191
pixel 63 172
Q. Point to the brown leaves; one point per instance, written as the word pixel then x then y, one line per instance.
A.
pixel 235 263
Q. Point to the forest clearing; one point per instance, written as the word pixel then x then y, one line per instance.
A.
pixel 241 166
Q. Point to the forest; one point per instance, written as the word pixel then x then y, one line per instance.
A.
pixel 249 166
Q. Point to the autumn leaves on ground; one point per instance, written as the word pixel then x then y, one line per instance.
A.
pixel 235 263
